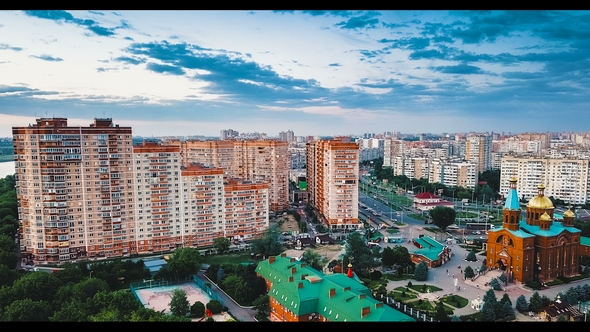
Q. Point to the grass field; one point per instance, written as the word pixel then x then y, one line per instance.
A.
pixel 243 257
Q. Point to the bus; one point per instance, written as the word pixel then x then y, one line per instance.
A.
pixel 476 226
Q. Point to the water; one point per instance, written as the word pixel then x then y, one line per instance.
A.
pixel 6 168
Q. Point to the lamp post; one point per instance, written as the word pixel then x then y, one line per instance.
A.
pixel 91 274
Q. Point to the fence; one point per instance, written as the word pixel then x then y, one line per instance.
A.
pixel 207 290
pixel 420 316
pixel 134 286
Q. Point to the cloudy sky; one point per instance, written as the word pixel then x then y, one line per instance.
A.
pixel 314 72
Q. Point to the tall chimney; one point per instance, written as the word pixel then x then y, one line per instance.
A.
pixel 271 259
pixel 365 312
pixel 332 292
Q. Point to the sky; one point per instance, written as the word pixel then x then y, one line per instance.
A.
pixel 314 72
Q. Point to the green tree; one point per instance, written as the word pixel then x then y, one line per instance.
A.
pixel 106 315
pixel 179 305
pixel 313 259
pixel 506 299
pixel 535 302
pixel 87 288
pixel 522 305
pixel 469 272
pixel 441 314
pixel 7 275
pixel 442 217
pixel 471 256
pixel 398 255
pixel 214 306
pixel 268 244
pixel 37 286
pixel 184 262
pixel 359 255
pixel 73 311
pixel 236 287
pixel 8 251
pixel 198 309
pixel 488 313
pixel 421 272
pixel 221 244
pixel 122 300
pixel 508 312
pixel 262 305
pixel 27 310
pixel 456 319
pixel 495 284
pixel 503 278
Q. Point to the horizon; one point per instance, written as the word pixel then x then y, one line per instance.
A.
pixel 326 73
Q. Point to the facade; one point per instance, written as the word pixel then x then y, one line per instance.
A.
pixel 88 193
pixel 256 160
pixel 332 182
pixel 427 201
pixel 537 247
pixel 566 178
pixel 246 209
pixel 75 190
pixel 478 149
pixel 299 293
pixel 453 173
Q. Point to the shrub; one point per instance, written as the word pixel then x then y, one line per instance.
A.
pixel 215 306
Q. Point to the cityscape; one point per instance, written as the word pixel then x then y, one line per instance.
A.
pixel 156 169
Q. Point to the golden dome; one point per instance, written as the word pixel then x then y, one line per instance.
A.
pixel 513 179
pixel 545 217
pixel 540 202
pixel 569 214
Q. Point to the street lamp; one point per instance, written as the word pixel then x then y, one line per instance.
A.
pixel 91 274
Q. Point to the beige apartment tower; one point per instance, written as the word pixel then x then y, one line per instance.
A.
pixel 332 180
pixel 75 190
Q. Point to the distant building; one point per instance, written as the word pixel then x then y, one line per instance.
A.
pixel 430 251
pixel 428 201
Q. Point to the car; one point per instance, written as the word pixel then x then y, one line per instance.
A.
pixel 477 232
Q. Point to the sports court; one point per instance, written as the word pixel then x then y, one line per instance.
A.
pixel 158 298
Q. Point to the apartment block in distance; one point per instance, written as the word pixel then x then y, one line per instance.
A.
pixel 246 209
pixel 256 160
pixel 75 190
pixel 478 149
pixel 332 175
pixel 567 179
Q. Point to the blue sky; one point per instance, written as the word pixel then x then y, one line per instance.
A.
pixel 314 72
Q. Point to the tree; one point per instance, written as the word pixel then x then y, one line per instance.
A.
pixel 506 299
pixel 359 255
pixel 535 303
pixel 313 259
pixel 421 272
pixel 503 278
pixel 262 305
pixel 215 306
pixel 398 255
pixel 469 272
pixel 37 286
pixel 521 304
pixel 184 262
pixel 8 251
pixel 488 313
pixel 236 287
pixel 73 311
pixel 198 309
pixel 573 294
pixel 456 319
pixel 106 315
pixel 441 314
pixel 471 256
pixel 27 310
pixel 268 244
pixel 7 275
pixel 443 216
pixel 495 284
pixel 507 311
pixel 179 305
pixel 221 244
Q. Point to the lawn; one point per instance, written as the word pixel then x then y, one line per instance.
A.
pixel 421 305
pixel 423 288
pixel 455 300
pixel 403 295
pixel 394 277
pixel 392 231
pixel 417 217
pixel 243 257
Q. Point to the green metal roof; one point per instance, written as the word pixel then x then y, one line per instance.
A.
pixel 555 229
pixel 430 248
pixel 314 295
pixel 518 233
pixel 585 241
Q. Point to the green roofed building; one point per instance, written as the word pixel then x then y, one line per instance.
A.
pixel 430 251
pixel 299 293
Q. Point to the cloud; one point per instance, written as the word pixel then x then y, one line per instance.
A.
pixel 46 57
pixel 104 70
pixel 96 13
pixel 366 21
pixel 463 69
pixel 341 13
pixel 414 43
pixel 335 65
pixel 165 69
pixel 8 47
pixel 63 16
pixel 130 60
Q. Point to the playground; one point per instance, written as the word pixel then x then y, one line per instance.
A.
pixel 158 298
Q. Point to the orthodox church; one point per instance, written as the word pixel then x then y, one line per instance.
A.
pixel 537 247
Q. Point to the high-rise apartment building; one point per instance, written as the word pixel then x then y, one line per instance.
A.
pixel 88 193
pixel 478 149
pixel 564 178
pixel 257 160
pixel 75 190
pixel 453 173
pixel 228 134
pixel 332 180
